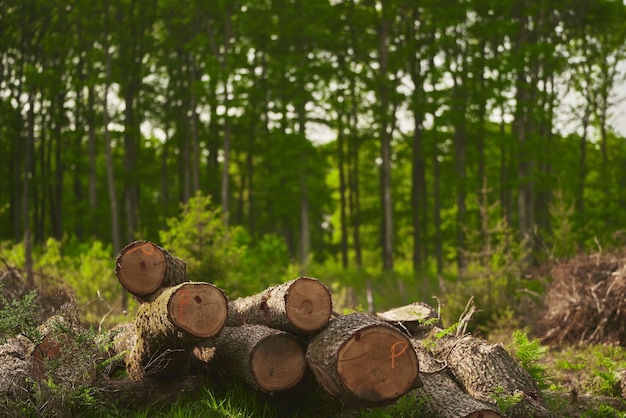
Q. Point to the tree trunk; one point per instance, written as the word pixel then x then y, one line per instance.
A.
pixel 300 306
pixel 363 361
pixel 385 138
pixel 170 324
pixel 268 359
pixel 143 267
pixel 441 396
pixel 487 372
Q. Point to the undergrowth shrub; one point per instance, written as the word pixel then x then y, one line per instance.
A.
pixel 223 255
pixel 530 354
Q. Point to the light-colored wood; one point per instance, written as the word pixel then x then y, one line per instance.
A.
pixel 300 306
pixel 308 304
pixel 143 267
pixel 363 360
pixel 198 309
pixel 415 319
pixel 278 362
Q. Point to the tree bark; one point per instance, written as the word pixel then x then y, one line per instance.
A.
pixel 171 324
pixel 363 361
pixel 268 359
pixel 487 372
pixel 441 396
pixel 143 268
pixel 299 306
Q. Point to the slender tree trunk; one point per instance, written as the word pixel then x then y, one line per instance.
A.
pixel 582 164
pixel 28 156
pixel 385 138
pixel 437 212
pixel 193 127
pixel 91 151
pixel 343 226
pixel 115 229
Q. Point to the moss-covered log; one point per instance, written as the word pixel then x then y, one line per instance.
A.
pixel 299 306
pixel 363 361
pixel 143 267
pixel 171 324
pixel 268 359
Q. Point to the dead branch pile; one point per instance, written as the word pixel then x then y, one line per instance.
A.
pixel 585 301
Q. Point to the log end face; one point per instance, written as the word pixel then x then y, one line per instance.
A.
pixel 308 304
pixel 140 267
pixel 278 363
pixel 198 308
pixel 378 365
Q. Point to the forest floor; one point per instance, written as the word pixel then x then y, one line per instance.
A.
pixel 580 331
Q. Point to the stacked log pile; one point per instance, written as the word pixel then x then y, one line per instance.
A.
pixel 273 339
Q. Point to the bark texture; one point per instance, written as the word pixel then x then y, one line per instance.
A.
pixel 363 361
pixel 171 324
pixel 143 268
pixel 441 396
pixel 266 358
pixel 487 372
pixel 299 306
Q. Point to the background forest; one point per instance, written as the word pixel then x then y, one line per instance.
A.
pixel 393 149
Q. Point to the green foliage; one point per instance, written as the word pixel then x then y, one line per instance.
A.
pixel 592 369
pixel 505 401
pixel 86 269
pixel 200 237
pixel 19 317
pixel 225 256
pixel 530 355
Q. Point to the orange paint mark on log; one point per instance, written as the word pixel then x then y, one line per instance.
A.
pixel 147 249
pixel 395 353
pixel 183 301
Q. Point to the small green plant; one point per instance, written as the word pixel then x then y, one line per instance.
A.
pixel 530 354
pixel 602 411
pixel 608 378
pixel 19 317
pixel 505 401
pixel 431 341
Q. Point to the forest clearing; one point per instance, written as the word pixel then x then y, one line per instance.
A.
pixel 312 177
pixel 187 337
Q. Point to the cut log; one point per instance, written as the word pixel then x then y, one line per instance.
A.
pixel 415 319
pixel 441 396
pixel 143 267
pixel 171 324
pixel 488 372
pixel 363 361
pixel 299 306
pixel 268 359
